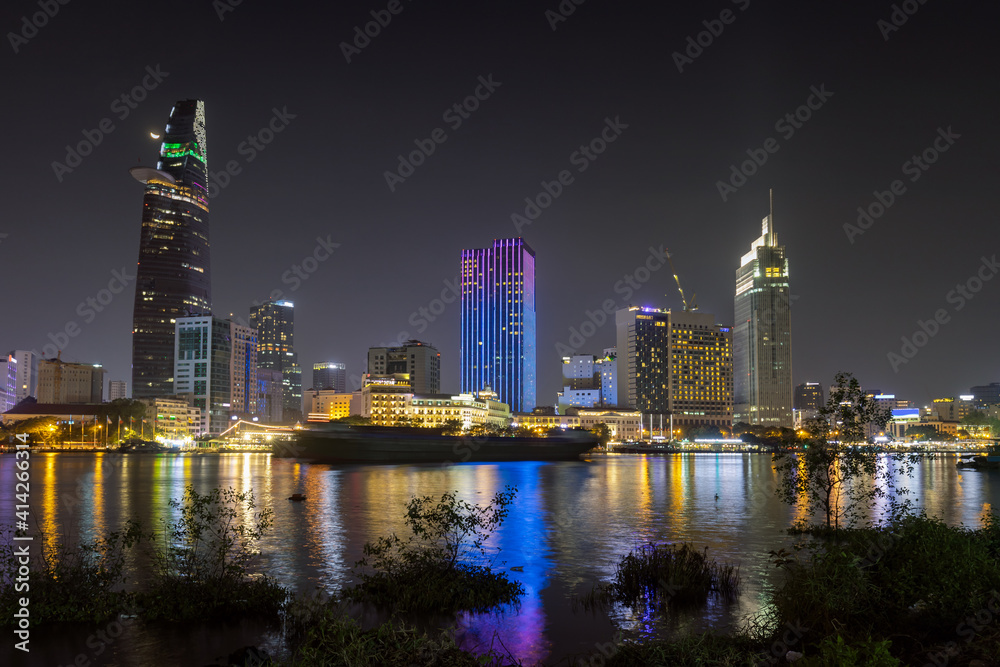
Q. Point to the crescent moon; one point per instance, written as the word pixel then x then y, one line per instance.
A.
pixel 154 135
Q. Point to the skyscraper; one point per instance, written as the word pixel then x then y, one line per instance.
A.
pixel 275 325
pixel 678 364
pixel 330 375
pixel 174 277
pixel 421 360
pixel 498 322
pixel 762 338
pixel 203 368
pixel 117 389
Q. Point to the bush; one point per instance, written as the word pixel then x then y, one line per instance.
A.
pixel 837 653
pixel 443 566
pixel 335 639
pixel 80 583
pixel 663 574
pixel 203 560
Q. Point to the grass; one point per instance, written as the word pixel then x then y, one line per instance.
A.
pixel 666 574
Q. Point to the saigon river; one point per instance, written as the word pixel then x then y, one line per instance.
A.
pixel 569 524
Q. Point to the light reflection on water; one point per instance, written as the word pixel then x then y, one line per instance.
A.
pixel 570 523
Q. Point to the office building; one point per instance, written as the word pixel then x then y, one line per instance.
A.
pixel 420 360
pixel 63 382
pixel 809 396
pixel 243 370
pixel 202 369
pixel 23 366
pixel 173 278
pixel 330 375
pixel 117 389
pixel 270 395
pixel 275 325
pixel 762 334
pixel 328 405
pixel 172 419
pixel 589 381
pixel 498 322
pixel 986 395
pixel 675 364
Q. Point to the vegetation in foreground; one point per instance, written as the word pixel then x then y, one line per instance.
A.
pixel 661 575
pixel 202 568
pixel 444 565
pixel 332 637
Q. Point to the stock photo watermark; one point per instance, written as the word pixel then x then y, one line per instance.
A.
pixel 250 148
pixel 914 168
pixel 598 317
pixel 581 158
pixel 363 35
pixel 122 106
pixel 900 14
pixel 787 125
pixel 959 296
pixel 714 28
pixel 454 116
pixel 30 25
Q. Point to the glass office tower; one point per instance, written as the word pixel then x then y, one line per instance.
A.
pixel 498 322
pixel 173 278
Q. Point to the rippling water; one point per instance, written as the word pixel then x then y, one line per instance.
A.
pixel 569 524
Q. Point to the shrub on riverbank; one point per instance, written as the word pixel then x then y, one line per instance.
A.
pixel 666 574
pixel 443 566
pixel 202 568
pixel 203 560
pixel 71 584
pixel 334 638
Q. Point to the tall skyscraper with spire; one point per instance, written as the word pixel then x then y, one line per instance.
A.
pixel 762 335
pixel 498 322
pixel 173 279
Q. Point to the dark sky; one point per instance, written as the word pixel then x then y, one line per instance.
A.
pixel 323 176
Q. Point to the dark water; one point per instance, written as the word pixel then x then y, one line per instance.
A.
pixel 569 524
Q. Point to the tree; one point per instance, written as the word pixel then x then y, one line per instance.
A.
pixel 921 432
pixel 837 471
pixel 121 411
pixel 452 427
pixel 354 420
pixel 603 433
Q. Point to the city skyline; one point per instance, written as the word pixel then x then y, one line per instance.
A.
pixel 586 139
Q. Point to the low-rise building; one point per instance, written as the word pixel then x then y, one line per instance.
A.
pixel 173 419
pixel 327 404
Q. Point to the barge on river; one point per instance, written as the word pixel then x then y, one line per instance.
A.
pixel 349 443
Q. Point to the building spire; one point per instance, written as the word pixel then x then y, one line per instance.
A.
pixel 771 239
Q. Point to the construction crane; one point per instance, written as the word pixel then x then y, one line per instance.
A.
pixel 694 297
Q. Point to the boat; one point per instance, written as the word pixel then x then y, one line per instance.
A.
pixel 351 443
pixel 980 462
pixel 297 496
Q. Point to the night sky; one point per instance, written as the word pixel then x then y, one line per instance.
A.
pixel 886 95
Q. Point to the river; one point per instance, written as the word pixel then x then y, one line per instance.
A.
pixel 568 525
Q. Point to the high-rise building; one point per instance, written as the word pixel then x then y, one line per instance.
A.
pixel 420 360
pixel 809 396
pixel 498 322
pixel 8 384
pixel 330 375
pixel 275 325
pixel 762 334
pixel 985 395
pixel 678 364
pixel 589 381
pixel 173 279
pixel 270 395
pixel 203 368
pixel 243 370
pixel 117 389
pixel 23 366
pixel 65 382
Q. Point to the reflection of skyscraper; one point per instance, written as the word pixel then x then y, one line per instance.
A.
pixel 498 322
pixel 275 325
pixel 762 338
pixel 173 279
